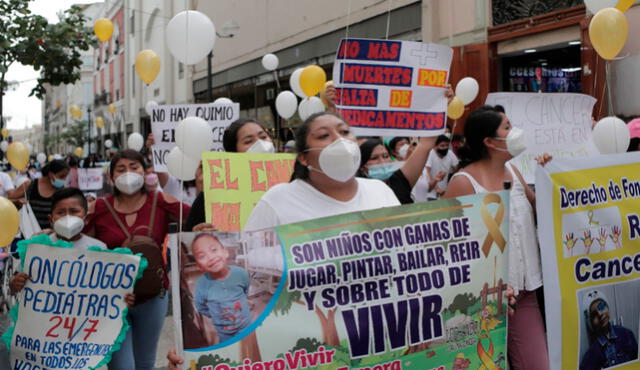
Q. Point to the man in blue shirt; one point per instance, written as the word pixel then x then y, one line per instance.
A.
pixel 221 291
pixel 610 344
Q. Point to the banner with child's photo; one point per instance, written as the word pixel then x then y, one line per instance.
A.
pixel 589 229
pixel 414 287
pixel 71 313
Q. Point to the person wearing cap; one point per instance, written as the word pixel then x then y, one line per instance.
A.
pixel 610 344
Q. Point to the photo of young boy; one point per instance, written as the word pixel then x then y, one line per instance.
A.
pixel 221 292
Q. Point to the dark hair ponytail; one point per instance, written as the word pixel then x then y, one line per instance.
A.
pixel 481 124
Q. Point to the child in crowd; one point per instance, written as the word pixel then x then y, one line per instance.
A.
pixel 68 212
pixel 221 291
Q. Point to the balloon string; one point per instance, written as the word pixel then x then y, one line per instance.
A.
pixel 608 76
pixel 388 19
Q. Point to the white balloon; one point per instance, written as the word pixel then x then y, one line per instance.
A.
pixel 595 6
pixel 302 109
pixel 467 89
pixel 223 101
pixel 135 141
pixel 286 104
pixel 41 158
pixel 108 143
pixel 270 62
pixel 181 166
pixel 294 81
pixel 611 135
pixel 4 145
pixel 149 106
pixel 194 136
pixel 57 156
pixel 190 40
pixel 315 105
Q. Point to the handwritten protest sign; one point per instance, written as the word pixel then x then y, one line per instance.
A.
pixel 71 313
pixel 234 182
pixel 392 88
pixel 165 119
pixel 554 123
pixel 419 286
pixel 589 226
pixel 90 178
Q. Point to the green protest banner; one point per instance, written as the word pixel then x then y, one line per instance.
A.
pixel 413 287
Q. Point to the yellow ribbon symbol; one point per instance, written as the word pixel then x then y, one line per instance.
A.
pixel 486 357
pixel 591 220
pixel 492 223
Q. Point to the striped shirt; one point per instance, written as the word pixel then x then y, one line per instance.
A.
pixel 41 206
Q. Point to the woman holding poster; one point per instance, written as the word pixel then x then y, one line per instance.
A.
pixel 491 142
pixel 244 135
pixel 144 214
pixel 324 182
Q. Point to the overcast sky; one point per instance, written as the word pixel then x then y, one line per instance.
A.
pixel 24 110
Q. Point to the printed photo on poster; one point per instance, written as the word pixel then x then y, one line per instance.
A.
pixel 227 280
pixel 609 324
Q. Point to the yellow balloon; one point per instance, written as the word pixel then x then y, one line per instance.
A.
pixel 75 111
pixel 312 80
pixel 99 122
pixel 5 133
pixel 608 31
pixel 624 5
pixel 18 156
pixel 9 220
pixel 456 108
pixel 147 65
pixel 50 158
pixel 103 28
pixel 78 151
pixel 111 108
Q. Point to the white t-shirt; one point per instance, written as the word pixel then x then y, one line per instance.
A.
pixel 84 242
pixel 420 192
pixel 6 184
pixel 174 188
pixel 299 201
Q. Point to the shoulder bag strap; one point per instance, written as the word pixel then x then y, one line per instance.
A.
pixel 153 213
pixel 116 218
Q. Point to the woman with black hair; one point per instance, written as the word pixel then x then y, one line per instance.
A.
pixel 132 211
pixel 324 181
pixel 242 136
pixel 376 163
pixel 40 191
pixel 491 142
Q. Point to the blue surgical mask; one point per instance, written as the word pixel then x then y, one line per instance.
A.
pixel 382 171
pixel 57 183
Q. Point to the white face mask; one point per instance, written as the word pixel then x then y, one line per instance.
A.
pixel 515 142
pixel 403 151
pixel 68 226
pixel 130 182
pixel 262 146
pixel 340 160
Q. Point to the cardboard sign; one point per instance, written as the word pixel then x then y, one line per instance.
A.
pixel 392 88
pixel 90 178
pixel 234 182
pixel 589 232
pixel 413 287
pixel 165 119
pixel 71 312
pixel 554 123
